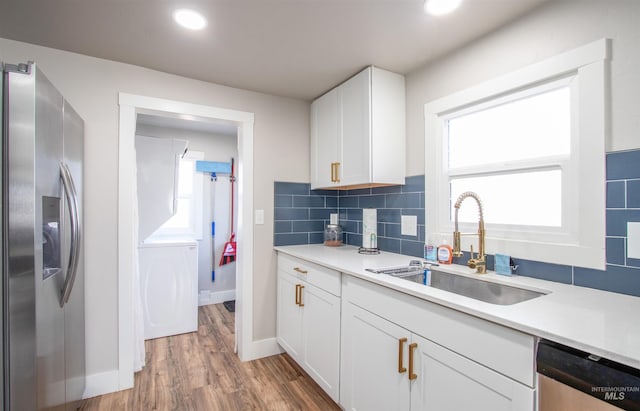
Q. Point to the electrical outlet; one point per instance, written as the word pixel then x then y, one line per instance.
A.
pixel 633 240
pixel 259 217
pixel 409 225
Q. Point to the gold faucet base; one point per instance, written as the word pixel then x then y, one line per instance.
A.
pixel 478 264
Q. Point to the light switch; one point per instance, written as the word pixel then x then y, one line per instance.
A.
pixel 333 218
pixel 409 225
pixel 259 217
pixel 633 240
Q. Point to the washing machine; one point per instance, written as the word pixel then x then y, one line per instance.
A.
pixel 169 287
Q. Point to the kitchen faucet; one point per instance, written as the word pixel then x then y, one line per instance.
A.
pixel 480 263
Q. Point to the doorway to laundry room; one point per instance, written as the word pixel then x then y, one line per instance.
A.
pixel 187 213
pixel 131 344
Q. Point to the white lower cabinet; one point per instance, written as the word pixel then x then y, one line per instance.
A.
pixel 448 381
pixel 373 348
pixel 386 366
pixel 371 376
pixel 289 315
pixel 308 320
pixel 321 338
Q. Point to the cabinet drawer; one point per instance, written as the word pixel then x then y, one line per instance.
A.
pixel 471 337
pixel 321 277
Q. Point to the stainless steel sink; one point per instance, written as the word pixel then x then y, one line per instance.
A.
pixel 478 289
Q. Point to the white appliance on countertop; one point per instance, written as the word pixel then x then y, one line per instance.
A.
pixel 169 287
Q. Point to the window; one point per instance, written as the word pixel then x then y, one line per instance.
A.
pixel 516 147
pixel 531 144
pixel 188 217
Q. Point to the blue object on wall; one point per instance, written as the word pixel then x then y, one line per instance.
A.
pixel 213 258
pixel 213 167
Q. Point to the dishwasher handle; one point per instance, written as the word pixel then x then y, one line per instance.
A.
pixel 609 381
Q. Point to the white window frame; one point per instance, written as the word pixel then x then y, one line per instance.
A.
pixel 581 239
pixel 195 229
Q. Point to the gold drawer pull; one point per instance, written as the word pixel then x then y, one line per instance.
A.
pixel 401 342
pixel 301 304
pixel 297 294
pixel 337 172
pixel 300 270
pixel 412 347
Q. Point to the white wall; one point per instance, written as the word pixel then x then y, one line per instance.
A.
pixel 558 26
pixel 91 85
pixel 215 148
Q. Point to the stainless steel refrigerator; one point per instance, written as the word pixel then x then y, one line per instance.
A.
pixel 43 340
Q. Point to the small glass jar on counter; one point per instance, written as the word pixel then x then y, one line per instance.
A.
pixel 333 235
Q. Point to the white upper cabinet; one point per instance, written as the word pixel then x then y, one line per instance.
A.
pixel 358 132
pixel 355 150
pixel 324 139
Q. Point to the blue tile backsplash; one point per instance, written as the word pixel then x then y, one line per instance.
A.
pixel 301 214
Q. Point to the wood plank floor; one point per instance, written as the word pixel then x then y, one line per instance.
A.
pixel 199 371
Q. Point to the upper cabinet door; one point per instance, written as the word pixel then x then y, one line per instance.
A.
pixel 388 127
pixel 355 149
pixel 358 132
pixel 324 140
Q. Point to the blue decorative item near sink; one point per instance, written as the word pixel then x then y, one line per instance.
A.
pixel 503 264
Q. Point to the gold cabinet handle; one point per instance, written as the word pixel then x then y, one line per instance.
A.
pixel 412 375
pixel 301 304
pixel 300 270
pixel 401 342
pixel 335 172
pixel 297 294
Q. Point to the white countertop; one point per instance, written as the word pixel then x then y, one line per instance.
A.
pixel 599 322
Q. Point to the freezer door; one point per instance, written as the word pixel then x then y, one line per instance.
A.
pixel 19 212
pixel 74 325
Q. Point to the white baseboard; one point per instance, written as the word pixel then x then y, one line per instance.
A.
pixel 101 383
pixel 264 348
pixel 217 297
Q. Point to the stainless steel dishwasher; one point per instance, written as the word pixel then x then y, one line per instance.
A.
pixel 574 380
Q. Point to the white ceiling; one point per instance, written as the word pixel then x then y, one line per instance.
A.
pixel 294 48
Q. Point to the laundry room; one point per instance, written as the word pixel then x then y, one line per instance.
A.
pixel 185 178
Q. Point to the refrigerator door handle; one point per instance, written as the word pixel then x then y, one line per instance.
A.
pixel 74 247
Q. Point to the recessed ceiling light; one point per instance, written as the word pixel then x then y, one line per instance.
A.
pixel 190 19
pixel 440 7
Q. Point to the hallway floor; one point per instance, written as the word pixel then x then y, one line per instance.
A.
pixel 199 371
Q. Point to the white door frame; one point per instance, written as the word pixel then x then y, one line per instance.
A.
pixel 130 106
